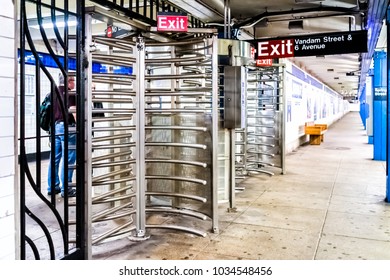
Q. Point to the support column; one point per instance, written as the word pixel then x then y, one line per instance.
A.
pixel 387 199
pixel 380 106
pixel 363 107
pixel 370 110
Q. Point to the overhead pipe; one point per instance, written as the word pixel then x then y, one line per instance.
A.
pixel 253 21
pixel 351 18
pixel 227 26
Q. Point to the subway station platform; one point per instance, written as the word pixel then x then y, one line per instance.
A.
pixel 328 206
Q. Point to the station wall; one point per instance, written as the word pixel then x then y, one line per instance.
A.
pixel 308 100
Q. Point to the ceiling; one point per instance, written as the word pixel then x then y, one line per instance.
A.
pixel 270 18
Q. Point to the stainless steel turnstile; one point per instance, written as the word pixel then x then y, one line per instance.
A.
pixel 154 133
pixel 260 146
pixel 181 133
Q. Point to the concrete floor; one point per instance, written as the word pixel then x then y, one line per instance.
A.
pixel 330 205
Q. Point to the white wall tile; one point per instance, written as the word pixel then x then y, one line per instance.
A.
pixel 7 186
pixel 9 257
pixel 7 67
pixel 7 167
pixel 7 27
pixel 7 8
pixel 7 87
pixel 7 47
pixel 7 226
pixel 7 146
pixel 7 247
pixel 6 207
pixel 7 129
pixel 6 107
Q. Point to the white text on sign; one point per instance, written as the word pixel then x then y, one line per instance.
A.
pixel 276 48
pixel 172 23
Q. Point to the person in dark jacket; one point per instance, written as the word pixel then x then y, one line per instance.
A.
pixel 59 142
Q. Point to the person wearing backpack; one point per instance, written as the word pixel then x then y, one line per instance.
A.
pixel 60 142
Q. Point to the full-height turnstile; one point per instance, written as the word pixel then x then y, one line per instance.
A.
pixel 152 160
pixel 260 146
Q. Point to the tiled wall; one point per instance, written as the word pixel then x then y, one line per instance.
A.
pixel 7 121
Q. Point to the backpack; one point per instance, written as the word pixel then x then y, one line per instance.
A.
pixel 45 114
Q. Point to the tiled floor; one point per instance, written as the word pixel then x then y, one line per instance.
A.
pixel 329 205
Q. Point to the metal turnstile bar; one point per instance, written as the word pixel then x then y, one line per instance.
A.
pixel 180 195
pixel 113 146
pixel 112 155
pixel 113 164
pixel 119 92
pixel 112 42
pixel 127 82
pixel 121 117
pixel 111 174
pixel 172 127
pixel 175 161
pixel 110 193
pixel 115 128
pixel 176 178
pixel 113 57
pixel 111 137
pixel 181 145
pixel 175 77
pixel 180 228
pixel 111 100
pixel 114 181
pixel 177 211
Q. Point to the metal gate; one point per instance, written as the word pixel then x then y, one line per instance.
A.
pixel 49 228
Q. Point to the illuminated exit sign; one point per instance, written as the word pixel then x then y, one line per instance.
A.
pixel 172 22
pixel 311 45
pixel 263 62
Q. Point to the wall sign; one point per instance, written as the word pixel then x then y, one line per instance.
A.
pixel 172 22
pixel 380 93
pixel 316 44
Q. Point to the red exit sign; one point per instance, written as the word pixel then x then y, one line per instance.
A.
pixel 172 22
pixel 275 49
pixel 263 62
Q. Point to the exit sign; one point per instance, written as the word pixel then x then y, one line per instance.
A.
pixel 314 44
pixel 263 62
pixel 172 22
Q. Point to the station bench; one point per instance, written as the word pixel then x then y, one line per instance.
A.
pixel 316 132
